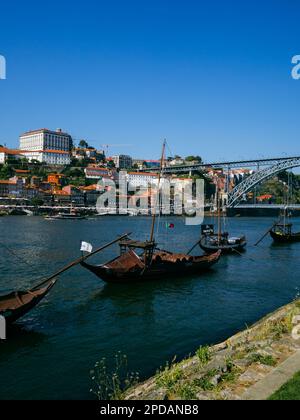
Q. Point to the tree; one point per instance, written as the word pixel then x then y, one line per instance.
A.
pixel 6 172
pixel 36 202
pixel 193 159
pixel 83 144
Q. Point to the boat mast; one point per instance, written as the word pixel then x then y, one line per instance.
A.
pixel 158 195
pixel 219 216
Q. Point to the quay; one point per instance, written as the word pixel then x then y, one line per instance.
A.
pixel 252 365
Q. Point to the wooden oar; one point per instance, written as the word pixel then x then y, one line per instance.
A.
pixel 81 259
pixel 267 233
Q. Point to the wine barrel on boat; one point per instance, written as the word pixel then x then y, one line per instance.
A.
pixel 151 264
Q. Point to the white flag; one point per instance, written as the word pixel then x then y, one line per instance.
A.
pixel 86 247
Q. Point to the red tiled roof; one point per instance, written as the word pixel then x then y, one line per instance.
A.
pixel 10 151
pixel 143 174
pixel 45 151
pixel 8 182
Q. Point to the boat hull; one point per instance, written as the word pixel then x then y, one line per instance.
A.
pixel 284 239
pixel 225 249
pixel 16 305
pixel 157 271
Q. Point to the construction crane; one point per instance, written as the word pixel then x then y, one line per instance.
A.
pixel 105 147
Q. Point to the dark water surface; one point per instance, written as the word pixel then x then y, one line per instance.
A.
pixel 50 353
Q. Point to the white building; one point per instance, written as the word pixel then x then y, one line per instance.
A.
pixel 142 179
pixel 123 161
pixel 51 147
pixel 6 153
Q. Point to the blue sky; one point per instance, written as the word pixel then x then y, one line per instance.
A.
pixel 214 78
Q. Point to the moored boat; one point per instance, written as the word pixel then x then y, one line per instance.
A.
pixel 212 242
pixel 17 304
pixel 282 233
pixel 150 264
pixel 141 261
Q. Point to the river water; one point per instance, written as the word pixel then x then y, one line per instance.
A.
pixel 50 353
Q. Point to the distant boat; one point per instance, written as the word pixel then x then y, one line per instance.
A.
pixel 73 215
pixel 282 233
pixel 211 241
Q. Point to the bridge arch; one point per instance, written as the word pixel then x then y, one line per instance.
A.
pixel 250 182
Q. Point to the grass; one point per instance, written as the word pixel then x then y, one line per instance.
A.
pixel 205 383
pixel 204 355
pixel 266 360
pixel 289 392
pixel 112 383
pixel 169 376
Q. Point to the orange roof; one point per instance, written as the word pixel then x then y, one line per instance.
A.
pixel 8 182
pixel 265 197
pixel 90 188
pixel 24 152
pixel 21 171
pixel 10 151
pixel 143 174
pixel 65 193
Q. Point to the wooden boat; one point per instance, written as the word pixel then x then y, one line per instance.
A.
pixel 282 234
pixel 151 264
pixel 282 231
pixel 141 261
pixel 17 304
pixel 212 242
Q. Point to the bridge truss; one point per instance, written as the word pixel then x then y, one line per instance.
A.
pixel 235 196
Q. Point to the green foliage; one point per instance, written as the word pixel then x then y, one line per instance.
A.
pixel 193 159
pixel 204 355
pixel 267 360
pixel 187 391
pixel 6 171
pixel 110 384
pixel 289 392
pixel 36 201
pixel 205 383
pixel 169 376
pixel 83 144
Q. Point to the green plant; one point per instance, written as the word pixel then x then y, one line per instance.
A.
pixel 267 360
pixel 111 384
pixel 187 391
pixel 205 383
pixel 204 355
pixel 169 376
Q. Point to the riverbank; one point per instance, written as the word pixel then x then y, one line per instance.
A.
pixel 231 370
pixel 44 211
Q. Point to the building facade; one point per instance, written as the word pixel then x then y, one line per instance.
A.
pixel 123 161
pixel 51 147
pixel 141 179
pixel 95 172
pixel 6 153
